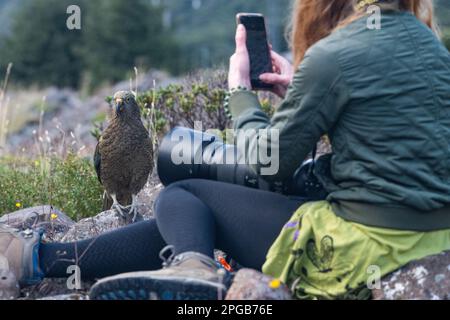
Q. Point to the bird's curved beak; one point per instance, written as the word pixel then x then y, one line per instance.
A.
pixel 119 105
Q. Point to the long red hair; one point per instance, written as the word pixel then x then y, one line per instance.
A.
pixel 313 20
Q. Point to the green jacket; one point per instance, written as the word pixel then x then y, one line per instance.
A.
pixel 383 98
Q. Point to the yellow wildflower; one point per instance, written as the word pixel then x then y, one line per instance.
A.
pixel 275 284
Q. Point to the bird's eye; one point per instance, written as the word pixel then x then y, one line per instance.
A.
pixel 128 99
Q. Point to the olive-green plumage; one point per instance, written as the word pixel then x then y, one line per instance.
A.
pixel 124 155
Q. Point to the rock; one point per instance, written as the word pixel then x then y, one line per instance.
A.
pixel 58 226
pixel 425 279
pixel 54 222
pixel 250 284
pixel 109 220
pixel 148 195
pixel 56 98
pixel 28 217
pixel 56 287
pixel 9 287
pixel 73 296
pixel 94 226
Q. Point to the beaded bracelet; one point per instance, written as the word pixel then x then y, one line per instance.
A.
pixel 228 95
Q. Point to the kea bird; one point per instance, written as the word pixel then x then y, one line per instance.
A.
pixel 124 157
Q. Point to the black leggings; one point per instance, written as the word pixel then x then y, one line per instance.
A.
pixel 191 215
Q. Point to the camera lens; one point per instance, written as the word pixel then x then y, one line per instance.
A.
pixel 187 154
pixel 204 156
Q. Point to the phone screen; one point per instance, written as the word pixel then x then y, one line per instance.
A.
pixel 258 48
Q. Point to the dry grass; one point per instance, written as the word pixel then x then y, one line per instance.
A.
pixel 24 107
pixel 18 108
pixel 4 109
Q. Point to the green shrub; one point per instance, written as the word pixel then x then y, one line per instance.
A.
pixel 198 98
pixel 68 184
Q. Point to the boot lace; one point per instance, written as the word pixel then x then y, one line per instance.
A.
pixel 170 259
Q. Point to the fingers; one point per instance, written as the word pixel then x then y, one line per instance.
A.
pixel 273 78
pixel 276 56
pixel 241 39
pixel 282 65
pixel 277 61
pixel 275 68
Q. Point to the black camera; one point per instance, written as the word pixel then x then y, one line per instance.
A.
pixel 189 154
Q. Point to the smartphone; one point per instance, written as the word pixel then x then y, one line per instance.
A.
pixel 258 47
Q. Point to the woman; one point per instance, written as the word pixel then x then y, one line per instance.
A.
pixel 382 97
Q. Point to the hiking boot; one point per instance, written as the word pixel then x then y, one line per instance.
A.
pixel 187 276
pixel 19 259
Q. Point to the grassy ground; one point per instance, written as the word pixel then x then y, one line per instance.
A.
pixel 68 184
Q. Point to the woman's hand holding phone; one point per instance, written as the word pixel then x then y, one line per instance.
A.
pixel 282 75
pixel 239 74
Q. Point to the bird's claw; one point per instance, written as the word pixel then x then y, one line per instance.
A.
pixel 133 212
pixel 120 210
pixel 127 212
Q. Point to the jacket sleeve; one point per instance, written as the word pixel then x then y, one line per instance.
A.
pixel 314 101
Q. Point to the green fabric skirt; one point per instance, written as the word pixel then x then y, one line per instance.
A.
pixel 322 256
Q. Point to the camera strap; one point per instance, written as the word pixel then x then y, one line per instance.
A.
pixel 313 157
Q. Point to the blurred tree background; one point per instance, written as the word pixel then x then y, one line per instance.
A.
pixel 174 35
pixel 204 29
pixel 115 36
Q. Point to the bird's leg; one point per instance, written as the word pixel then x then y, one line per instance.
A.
pixel 116 205
pixel 133 210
